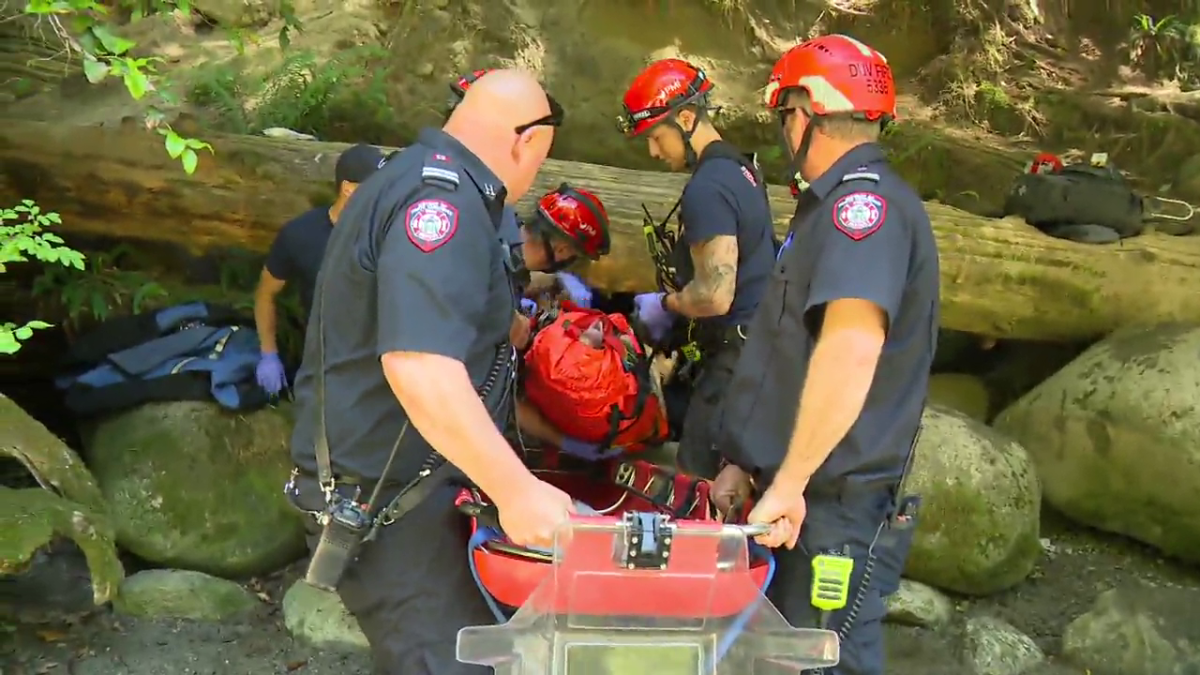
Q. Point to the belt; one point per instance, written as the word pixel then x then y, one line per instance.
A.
pixel 713 338
pixel 366 485
pixel 850 490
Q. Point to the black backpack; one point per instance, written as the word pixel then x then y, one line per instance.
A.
pixel 1078 198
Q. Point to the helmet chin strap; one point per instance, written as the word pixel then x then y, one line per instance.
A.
pixel 798 155
pixel 689 153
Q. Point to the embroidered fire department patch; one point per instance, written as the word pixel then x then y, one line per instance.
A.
pixel 859 214
pixel 430 223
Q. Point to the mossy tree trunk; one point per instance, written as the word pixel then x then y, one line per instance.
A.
pixel 1001 278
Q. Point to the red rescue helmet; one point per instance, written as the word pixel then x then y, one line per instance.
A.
pixel 1045 162
pixel 841 75
pixel 659 91
pixel 459 87
pixel 577 215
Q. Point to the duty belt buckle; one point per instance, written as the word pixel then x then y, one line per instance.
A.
pixel 691 351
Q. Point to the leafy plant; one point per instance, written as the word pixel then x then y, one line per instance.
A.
pixel 24 236
pixel 1160 46
pixel 92 293
pixel 338 97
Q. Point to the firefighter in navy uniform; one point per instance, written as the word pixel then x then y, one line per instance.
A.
pixel 548 262
pixel 408 376
pixel 825 405
pixel 715 267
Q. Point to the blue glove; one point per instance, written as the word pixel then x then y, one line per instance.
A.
pixel 269 373
pixel 589 451
pixel 577 291
pixel 528 307
pixel 653 315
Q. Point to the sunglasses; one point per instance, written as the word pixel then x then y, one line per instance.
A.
pixel 554 119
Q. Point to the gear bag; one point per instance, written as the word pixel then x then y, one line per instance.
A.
pixel 1077 194
pixel 190 352
pixel 1087 202
pixel 589 376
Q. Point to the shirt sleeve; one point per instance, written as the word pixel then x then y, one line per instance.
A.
pixel 708 208
pixel 280 256
pixel 433 275
pixel 864 249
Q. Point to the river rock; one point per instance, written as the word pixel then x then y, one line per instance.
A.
pixel 1116 437
pixel 1138 629
pixel 182 594
pixel 916 604
pixel 980 516
pixel 191 486
pixel 319 619
pixel 962 392
pixel 994 647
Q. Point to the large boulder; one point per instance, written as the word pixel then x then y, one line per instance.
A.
pixel 1137 629
pixel 192 486
pixel 1116 437
pixel 981 509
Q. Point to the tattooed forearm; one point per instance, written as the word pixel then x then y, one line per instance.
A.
pixel 710 293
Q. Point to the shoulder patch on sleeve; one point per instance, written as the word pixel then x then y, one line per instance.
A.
pixel 858 215
pixel 430 223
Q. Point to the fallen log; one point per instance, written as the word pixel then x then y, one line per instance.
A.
pixel 1001 278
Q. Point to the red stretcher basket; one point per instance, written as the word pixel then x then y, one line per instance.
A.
pixel 509 574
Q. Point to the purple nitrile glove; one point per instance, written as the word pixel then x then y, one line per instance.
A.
pixel 269 373
pixel 650 311
pixel 577 292
pixel 528 307
pixel 588 451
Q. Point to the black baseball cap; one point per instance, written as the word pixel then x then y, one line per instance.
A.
pixel 357 163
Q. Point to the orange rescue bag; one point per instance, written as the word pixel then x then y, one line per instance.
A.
pixel 588 374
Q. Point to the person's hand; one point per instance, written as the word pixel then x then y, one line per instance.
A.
pixel 528 306
pixel 577 292
pixel 533 513
pixel 782 507
pixel 520 331
pixel 732 486
pixel 269 373
pixel 589 451
pixel 652 314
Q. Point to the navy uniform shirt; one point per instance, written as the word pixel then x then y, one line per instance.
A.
pixel 859 232
pixel 510 228
pixel 414 265
pixel 295 255
pixel 723 198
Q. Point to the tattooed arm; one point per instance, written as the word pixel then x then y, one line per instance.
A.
pixel 710 293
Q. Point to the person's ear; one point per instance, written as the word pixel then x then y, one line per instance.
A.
pixel 686 119
pixel 520 145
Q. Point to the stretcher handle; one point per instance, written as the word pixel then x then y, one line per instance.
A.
pixel 488 513
pixel 746 530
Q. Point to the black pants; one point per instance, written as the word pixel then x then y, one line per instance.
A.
pixel 411 589
pixel 698 453
pixel 853 522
